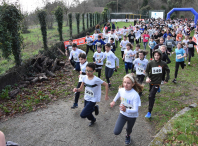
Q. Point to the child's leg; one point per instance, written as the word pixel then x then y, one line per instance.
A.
pixel 72 62
pixel 110 73
pixel 106 74
pixel 77 66
pixel 151 53
pixel 87 111
pixel 122 53
pixel 176 69
pixel 153 91
pixel 99 72
pixel 77 95
pixel 126 67
pixel 87 51
pixel 2 139
pixel 119 124
pixel 103 48
pixel 130 124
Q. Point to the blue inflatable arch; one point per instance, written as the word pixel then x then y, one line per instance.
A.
pixel 183 9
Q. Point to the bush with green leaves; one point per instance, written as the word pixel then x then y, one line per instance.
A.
pixel 70 24
pixel 78 22
pixel 42 20
pixel 59 19
pixel 11 39
pixel 83 21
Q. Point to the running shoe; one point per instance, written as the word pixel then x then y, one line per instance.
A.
pixel 174 81
pixel 96 109
pixel 74 106
pixel 159 90
pixel 188 63
pixel 162 82
pixel 148 115
pixel 92 123
pixel 127 140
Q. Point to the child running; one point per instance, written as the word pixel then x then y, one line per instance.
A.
pixel 180 54
pixel 140 65
pixel 151 45
pixel 74 54
pixel 123 44
pixel 130 102
pixel 83 64
pixel 191 49
pixel 127 57
pixel 89 41
pixel 154 71
pixel 146 37
pixel 97 57
pixel 110 62
pixel 92 93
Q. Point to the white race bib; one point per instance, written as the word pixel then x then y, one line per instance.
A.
pixel 70 48
pixel 128 56
pixel 156 70
pixel 179 38
pixel 169 43
pixel 132 37
pixel 190 45
pixel 178 56
pixel 108 63
pixel 75 59
pixel 139 70
pixel 81 77
pixel 146 38
pixel 89 92
pixel 98 43
pixel 152 44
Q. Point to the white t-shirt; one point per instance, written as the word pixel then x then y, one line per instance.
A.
pixel 186 42
pixel 125 32
pixel 75 54
pixel 92 94
pixel 83 69
pixel 89 40
pixel 140 66
pixel 98 56
pixel 118 33
pixel 127 54
pixel 131 100
pixel 106 36
pixel 111 58
pixel 95 36
pixel 123 44
pixel 112 36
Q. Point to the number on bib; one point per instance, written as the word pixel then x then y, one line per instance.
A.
pixel 108 63
pixel 89 92
pixel 75 59
pixel 139 70
pixel 156 70
pixel 190 45
pixel 178 56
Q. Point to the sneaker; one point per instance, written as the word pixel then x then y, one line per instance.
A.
pixel 115 70
pixel 184 64
pixel 92 123
pixel 148 115
pixel 74 69
pixel 159 90
pixel 127 140
pixel 109 85
pixel 96 109
pixel 174 81
pixel 162 82
pixel 74 106
pixel 188 63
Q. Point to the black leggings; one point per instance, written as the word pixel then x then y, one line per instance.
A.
pixel 122 53
pixel 108 73
pixel 89 47
pixel 98 69
pixel 177 67
pixel 191 53
pixel 137 41
pixel 140 78
pixel 153 90
pixel 103 48
pixel 77 94
pixel 151 53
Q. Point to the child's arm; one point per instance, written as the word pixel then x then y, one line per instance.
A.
pixel 123 56
pixel 168 59
pixel 115 99
pixel 148 80
pixel 106 90
pixel 79 89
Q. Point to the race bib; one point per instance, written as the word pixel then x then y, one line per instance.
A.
pixel 70 48
pixel 129 106
pixel 179 38
pixel 146 38
pixel 98 43
pixel 190 45
pixel 111 47
pixel 75 59
pixel 128 56
pixel 169 43
pixel 152 44
pixel 89 92
pixel 156 70
pixel 178 56
pixel 81 77
pixel 97 59
pixel 108 63
pixel 139 70
pixel 173 38
pixel 132 37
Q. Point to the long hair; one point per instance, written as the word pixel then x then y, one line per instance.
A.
pixel 137 87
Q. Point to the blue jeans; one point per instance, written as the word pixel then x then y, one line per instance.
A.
pixel 87 110
pixel 77 66
pixel 128 65
pixel 145 44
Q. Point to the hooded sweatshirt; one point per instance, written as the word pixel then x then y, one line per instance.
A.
pixel 154 70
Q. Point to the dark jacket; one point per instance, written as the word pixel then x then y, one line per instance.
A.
pixel 154 70
pixel 165 58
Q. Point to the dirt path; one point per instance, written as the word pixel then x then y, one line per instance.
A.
pixel 58 125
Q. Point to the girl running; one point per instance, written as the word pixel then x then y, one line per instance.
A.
pixel 146 37
pixel 123 44
pixel 130 102
pixel 127 57
pixel 180 54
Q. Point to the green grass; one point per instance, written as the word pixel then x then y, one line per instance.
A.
pixel 185 130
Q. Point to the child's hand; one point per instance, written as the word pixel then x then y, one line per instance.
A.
pixel 117 66
pixel 99 61
pixel 122 108
pixel 112 103
pixel 122 58
pixel 148 80
pixel 80 72
pixel 95 62
pixel 106 98
pixel 75 90
pixel 165 82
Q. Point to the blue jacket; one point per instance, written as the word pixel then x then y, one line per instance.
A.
pixel 98 42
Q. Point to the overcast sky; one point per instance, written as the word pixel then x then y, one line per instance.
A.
pixel 31 5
